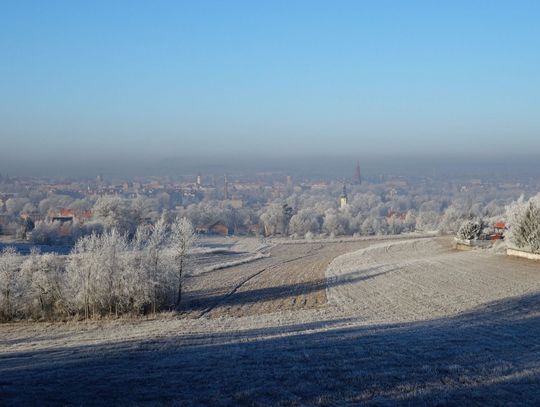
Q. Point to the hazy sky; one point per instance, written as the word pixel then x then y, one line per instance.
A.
pixel 159 78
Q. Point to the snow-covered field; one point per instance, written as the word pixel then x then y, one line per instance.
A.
pixel 422 279
pixel 400 321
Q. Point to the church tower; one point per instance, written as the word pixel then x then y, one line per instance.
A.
pixel 357 175
pixel 343 198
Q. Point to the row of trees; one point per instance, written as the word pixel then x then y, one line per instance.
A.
pixel 105 274
pixel 370 214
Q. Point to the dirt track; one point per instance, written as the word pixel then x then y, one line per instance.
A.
pixel 292 278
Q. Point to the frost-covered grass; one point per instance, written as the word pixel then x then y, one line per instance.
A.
pixel 411 322
pixel 484 357
pixel 423 279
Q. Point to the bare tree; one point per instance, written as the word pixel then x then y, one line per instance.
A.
pixel 44 286
pixel 153 260
pixel 183 237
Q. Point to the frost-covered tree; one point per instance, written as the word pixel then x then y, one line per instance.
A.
pixel 183 238
pixel 368 226
pixel 305 221
pixel 83 272
pixel 28 207
pixel 44 283
pixel 470 230
pixel 46 232
pixel 99 274
pixel 15 205
pixel 365 202
pixel 427 220
pixel 112 261
pixel 336 222
pixel 395 225
pixel 451 220
pixel 155 265
pixel 81 205
pixel 113 212
pixel 409 223
pixel 10 283
pixel 524 223
pixel 273 219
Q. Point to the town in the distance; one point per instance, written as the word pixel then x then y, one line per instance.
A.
pixel 57 211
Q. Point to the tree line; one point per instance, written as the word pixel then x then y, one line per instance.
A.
pixel 105 274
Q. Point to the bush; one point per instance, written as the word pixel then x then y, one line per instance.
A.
pixel 470 230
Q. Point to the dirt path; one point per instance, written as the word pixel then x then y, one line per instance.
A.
pixel 292 278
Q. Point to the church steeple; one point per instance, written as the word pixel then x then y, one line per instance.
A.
pixel 357 175
pixel 343 198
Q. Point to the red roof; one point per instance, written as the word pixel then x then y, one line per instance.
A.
pixel 67 212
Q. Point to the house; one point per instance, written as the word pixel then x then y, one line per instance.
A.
pixel 67 212
pixel 62 219
pixel 500 228
pixel 218 228
pixel 80 215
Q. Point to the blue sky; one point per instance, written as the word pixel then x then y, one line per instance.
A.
pixel 160 78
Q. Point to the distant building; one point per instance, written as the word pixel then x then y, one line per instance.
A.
pixel 80 215
pixel 357 176
pixel 499 231
pixel 218 228
pixel 62 219
pixel 343 200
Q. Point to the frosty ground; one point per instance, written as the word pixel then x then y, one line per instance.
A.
pixel 398 321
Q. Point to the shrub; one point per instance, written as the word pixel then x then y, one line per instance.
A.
pixel 470 230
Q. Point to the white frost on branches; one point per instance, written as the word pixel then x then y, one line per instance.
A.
pixel 105 274
pixel 470 230
pixel 524 223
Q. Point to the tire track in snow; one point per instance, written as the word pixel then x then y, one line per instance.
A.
pixel 311 252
